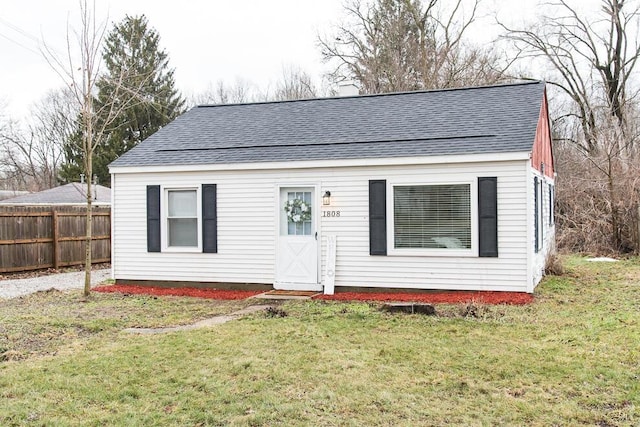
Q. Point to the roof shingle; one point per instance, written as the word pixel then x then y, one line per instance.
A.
pixel 491 119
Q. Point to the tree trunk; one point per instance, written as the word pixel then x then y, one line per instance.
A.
pixel 615 223
pixel 89 221
pixel 637 242
pixel 89 218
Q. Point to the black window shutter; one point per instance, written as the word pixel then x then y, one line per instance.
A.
pixel 153 218
pixel 550 204
pixel 536 212
pixel 488 216
pixel 209 219
pixel 378 217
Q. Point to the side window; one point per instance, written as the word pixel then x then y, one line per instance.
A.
pixel 182 218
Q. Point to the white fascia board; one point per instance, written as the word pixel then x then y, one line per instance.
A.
pixel 301 164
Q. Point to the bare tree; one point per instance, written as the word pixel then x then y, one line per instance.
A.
pixel 598 194
pixel 4 119
pixel 224 93
pixel 32 154
pixel 294 84
pixel 79 68
pixel 592 60
pixel 5 178
pixel 592 63
pixel 396 45
pixel 54 122
pixel 25 160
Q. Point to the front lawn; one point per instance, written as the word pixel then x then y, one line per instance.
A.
pixel 571 357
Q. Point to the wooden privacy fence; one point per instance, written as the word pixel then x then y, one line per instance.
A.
pixel 34 237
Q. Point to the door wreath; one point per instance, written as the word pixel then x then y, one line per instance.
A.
pixel 298 211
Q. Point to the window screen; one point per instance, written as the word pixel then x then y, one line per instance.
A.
pixel 432 216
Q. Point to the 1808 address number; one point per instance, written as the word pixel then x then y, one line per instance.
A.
pixel 330 214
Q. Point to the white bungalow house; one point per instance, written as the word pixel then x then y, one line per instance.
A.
pixel 442 189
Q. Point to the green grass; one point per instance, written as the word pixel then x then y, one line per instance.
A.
pixel 570 358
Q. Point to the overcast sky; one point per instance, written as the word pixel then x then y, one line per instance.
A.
pixel 207 40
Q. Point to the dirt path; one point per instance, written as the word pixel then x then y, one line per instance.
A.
pixel 212 321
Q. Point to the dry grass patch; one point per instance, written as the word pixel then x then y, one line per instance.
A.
pixel 46 322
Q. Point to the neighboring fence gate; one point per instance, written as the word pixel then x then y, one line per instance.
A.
pixel 35 237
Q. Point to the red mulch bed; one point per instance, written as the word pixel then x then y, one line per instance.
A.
pixel 222 294
pixel 452 297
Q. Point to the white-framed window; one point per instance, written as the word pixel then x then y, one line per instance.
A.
pixel 539 212
pixel 433 218
pixel 182 219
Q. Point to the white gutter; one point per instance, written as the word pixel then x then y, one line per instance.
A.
pixel 384 161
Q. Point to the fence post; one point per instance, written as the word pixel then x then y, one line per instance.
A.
pixel 54 229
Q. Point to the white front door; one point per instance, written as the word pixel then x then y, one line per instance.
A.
pixel 297 249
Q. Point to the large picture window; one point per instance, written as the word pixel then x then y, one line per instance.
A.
pixel 182 218
pixel 432 216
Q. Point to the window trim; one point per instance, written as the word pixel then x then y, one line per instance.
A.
pixel 473 196
pixel 540 213
pixel 552 196
pixel 164 211
pixel 540 216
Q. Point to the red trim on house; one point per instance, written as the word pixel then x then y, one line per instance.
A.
pixel 542 152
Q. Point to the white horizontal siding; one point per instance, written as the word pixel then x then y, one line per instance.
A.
pixel 247 228
pixel 538 260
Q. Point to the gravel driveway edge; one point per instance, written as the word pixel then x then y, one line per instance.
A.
pixel 62 281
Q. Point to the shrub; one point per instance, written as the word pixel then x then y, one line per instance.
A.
pixel 553 265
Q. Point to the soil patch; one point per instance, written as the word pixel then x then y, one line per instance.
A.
pixel 452 297
pixel 217 320
pixel 219 294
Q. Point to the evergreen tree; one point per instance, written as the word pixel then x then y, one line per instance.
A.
pixel 138 69
pixel 73 154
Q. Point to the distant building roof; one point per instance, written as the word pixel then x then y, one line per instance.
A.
pixel 7 194
pixel 476 120
pixel 69 194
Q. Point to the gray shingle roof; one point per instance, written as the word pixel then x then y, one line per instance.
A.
pixel 74 193
pixel 491 119
pixel 7 194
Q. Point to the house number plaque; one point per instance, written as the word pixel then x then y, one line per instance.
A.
pixel 330 214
